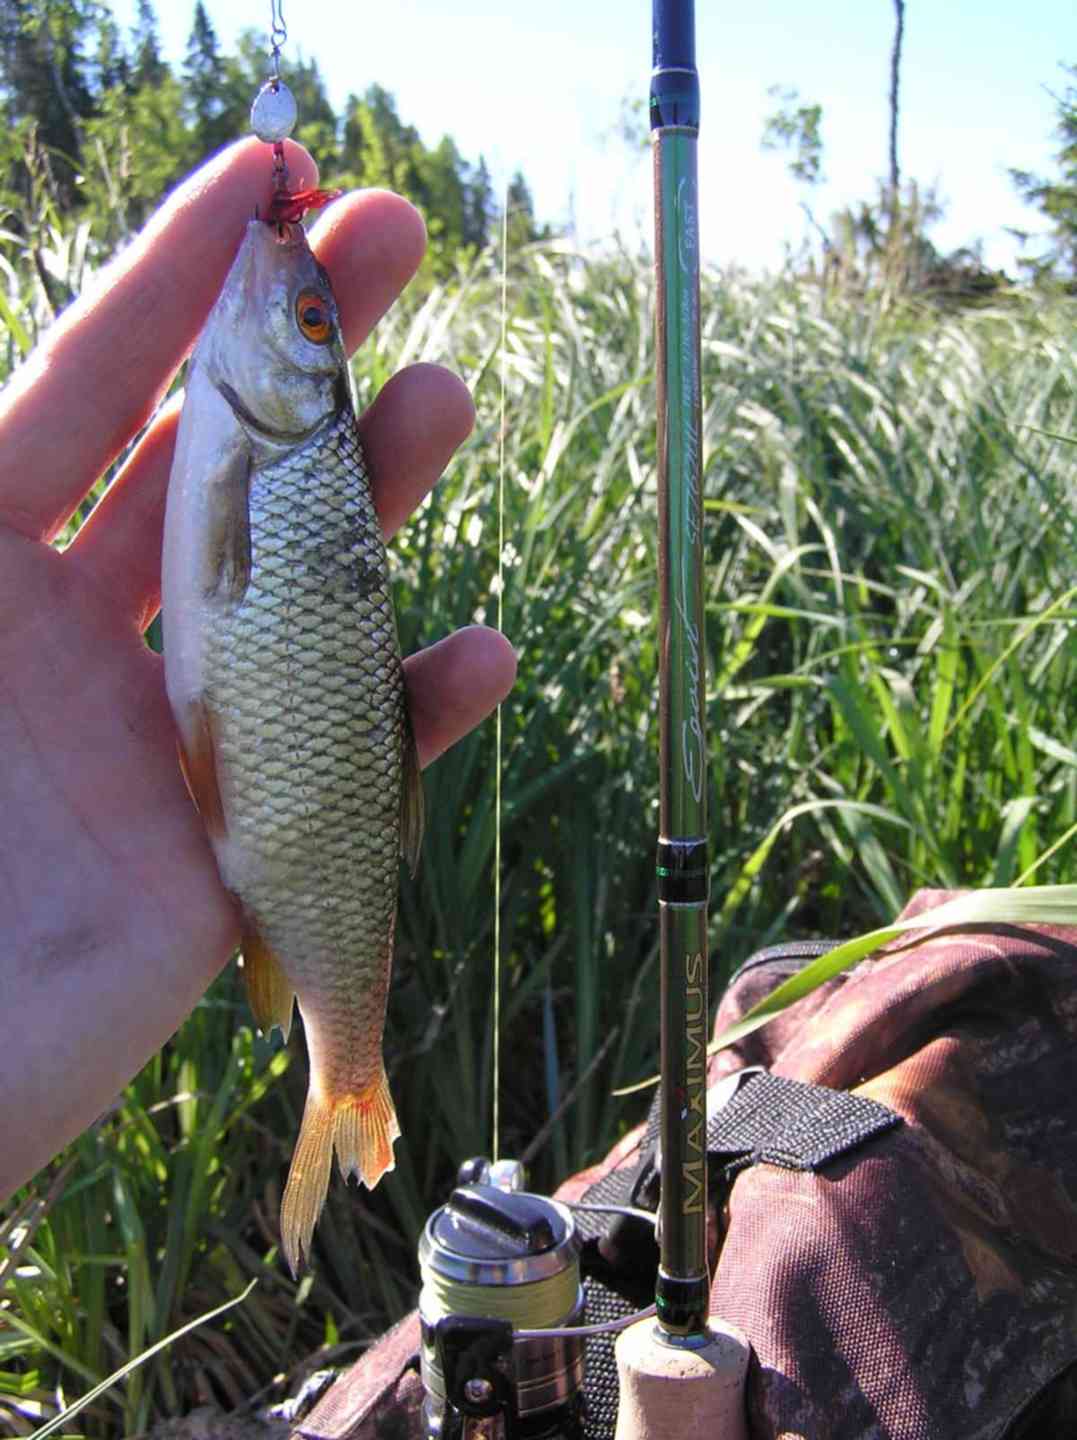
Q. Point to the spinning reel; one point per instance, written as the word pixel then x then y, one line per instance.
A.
pixel 501 1310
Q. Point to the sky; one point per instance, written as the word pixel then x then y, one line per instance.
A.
pixel 540 87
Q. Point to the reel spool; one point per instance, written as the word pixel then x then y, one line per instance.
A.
pixel 496 1261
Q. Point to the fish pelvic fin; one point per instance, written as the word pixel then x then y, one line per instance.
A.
pixel 412 802
pixel 361 1128
pixel 269 990
pixel 197 747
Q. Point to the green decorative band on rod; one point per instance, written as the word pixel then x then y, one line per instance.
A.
pixel 680 1302
pixel 683 869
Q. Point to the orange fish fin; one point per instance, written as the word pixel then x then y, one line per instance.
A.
pixel 412 802
pixel 269 990
pixel 228 535
pixel 366 1126
pixel 198 761
pixel 362 1129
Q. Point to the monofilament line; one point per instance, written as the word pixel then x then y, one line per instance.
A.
pixel 495 1146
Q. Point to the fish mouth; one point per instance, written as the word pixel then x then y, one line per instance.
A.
pixel 244 416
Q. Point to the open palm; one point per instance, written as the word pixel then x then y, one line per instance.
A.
pixel 114 918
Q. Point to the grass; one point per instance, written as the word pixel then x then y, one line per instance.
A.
pixel 892 662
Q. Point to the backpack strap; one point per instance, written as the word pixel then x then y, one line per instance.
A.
pixel 770 1119
pixel 755 1118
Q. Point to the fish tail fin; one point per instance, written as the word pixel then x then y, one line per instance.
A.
pixel 366 1127
pixel 361 1128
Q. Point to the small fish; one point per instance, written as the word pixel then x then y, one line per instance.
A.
pixel 284 677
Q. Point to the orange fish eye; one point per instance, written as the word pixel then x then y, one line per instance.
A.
pixel 312 317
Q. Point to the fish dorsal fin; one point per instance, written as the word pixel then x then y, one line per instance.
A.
pixel 198 761
pixel 412 803
pixel 228 531
pixel 269 990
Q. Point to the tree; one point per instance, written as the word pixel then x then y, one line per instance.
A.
pixel 632 128
pixel 204 75
pixel 112 67
pixel 883 243
pixel 795 126
pixel 522 228
pixel 798 127
pixel 148 68
pixel 317 128
pixel 440 192
pixel 479 207
pixel 1056 198
pixel 138 146
pixel 43 78
pixel 895 79
pixel 379 149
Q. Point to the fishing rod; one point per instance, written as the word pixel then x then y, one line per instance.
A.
pixel 681 1376
pixel 683 1289
pixel 502 1305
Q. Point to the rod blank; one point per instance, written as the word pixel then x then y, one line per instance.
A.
pixel 683 1289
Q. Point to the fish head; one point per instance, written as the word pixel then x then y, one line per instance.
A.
pixel 273 345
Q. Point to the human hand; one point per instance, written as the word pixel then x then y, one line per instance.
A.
pixel 115 920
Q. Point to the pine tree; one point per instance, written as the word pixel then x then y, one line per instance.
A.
pixel 522 228
pixel 478 206
pixel 1056 198
pixel 43 77
pixel 378 148
pixel 148 66
pixel 440 192
pixel 112 66
pixel 352 140
pixel 204 78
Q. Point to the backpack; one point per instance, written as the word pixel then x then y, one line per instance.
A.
pixel 893 1193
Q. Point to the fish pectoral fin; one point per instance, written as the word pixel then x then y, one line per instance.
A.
pixel 412 802
pixel 198 761
pixel 270 992
pixel 361 1127
pixel 228 529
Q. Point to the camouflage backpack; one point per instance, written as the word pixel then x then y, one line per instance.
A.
pixel 904 1263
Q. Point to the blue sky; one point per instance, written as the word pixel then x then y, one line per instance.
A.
pixel 539 87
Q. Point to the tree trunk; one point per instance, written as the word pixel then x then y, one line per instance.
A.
pixel 895 69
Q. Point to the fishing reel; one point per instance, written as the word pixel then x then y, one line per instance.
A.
pixel 500 1310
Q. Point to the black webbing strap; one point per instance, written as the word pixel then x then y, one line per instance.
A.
pixel 754 1118
pixel 772 1120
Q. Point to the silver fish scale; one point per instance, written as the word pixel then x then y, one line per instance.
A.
pixel 306 689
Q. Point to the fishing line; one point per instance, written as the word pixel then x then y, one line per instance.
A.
pixel 495 1150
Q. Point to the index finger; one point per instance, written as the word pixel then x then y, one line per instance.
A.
pixel 102 368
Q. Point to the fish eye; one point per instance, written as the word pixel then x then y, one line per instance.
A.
pixel 312 317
